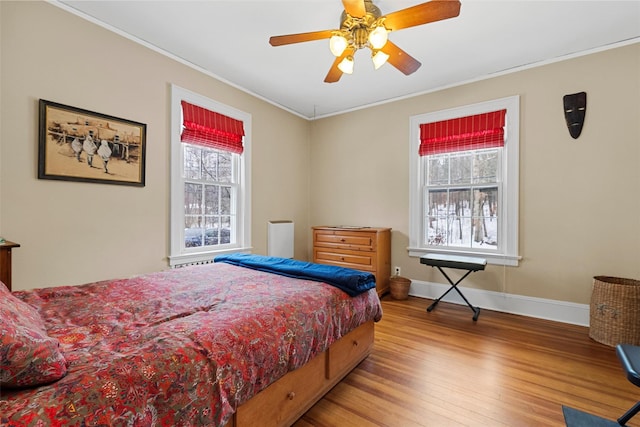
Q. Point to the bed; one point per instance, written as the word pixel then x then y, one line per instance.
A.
pixel 221 344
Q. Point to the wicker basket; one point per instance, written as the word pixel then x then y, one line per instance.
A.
pixel 399 287
pixel 614 316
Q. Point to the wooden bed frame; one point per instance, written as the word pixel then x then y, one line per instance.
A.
pixel 287 399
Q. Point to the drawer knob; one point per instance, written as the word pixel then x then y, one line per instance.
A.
pixel 291 395
pixel 355 343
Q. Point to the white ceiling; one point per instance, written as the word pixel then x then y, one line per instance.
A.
pixel 229 40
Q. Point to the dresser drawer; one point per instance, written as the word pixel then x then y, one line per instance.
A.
pixel 349 259
pixel 341 239
pixel 287 399
pixel 350 350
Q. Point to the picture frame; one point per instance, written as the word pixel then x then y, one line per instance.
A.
pixel 81 145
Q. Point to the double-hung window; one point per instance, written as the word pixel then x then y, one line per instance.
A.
pixel 210 193
pixel 464 181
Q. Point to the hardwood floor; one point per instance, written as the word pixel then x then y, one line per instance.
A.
pixel 443 369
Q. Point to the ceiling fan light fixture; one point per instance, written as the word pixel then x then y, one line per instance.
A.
pixel 379 58
pixel 378 37
pixel 346 65
pixel 363 25
pixel 337 44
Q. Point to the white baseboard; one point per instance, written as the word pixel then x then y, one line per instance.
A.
pixel 559 311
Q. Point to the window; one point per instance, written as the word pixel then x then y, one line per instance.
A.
pixel 210 183
pixel 210 188
pixel 464 181
pixel 462 199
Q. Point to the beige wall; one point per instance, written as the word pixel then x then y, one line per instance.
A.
pixel 73 233
pixel 579 209
pixel 579 199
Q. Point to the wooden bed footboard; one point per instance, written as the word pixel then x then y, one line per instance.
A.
pixel 287 399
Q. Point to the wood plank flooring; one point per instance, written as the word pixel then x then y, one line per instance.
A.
pixel 443 369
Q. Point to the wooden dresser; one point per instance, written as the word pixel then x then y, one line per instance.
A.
pixel 362 248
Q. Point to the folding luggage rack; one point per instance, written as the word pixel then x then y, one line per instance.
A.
pixel 468 263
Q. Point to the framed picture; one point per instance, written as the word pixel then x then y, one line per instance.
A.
pixel 80 145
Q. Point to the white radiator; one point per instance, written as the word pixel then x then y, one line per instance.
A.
pixel 189 263
pixel 280 239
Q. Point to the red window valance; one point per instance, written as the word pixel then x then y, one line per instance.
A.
pixel 211 129
pixel 484 130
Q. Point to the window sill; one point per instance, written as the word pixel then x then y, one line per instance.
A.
pixel 492 258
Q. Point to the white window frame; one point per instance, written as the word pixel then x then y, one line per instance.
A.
pixel 507 252
pixel 180 255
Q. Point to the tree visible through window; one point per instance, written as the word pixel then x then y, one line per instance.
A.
pixel 462 199
pixel 208 193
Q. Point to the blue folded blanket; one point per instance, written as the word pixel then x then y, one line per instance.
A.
pixel 353 282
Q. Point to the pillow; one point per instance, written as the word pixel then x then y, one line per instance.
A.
pixel 29 356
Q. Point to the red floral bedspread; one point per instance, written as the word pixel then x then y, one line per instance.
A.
pixel 183 347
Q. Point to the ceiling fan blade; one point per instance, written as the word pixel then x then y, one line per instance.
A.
pixel 354 8
pixel 400 59
pixel 299 38
pixel 335 73
pixel 424 13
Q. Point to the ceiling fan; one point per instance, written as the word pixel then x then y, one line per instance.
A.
pixel 363 25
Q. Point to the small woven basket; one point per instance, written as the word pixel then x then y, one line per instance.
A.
pixel 614 315
pixel 399 287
